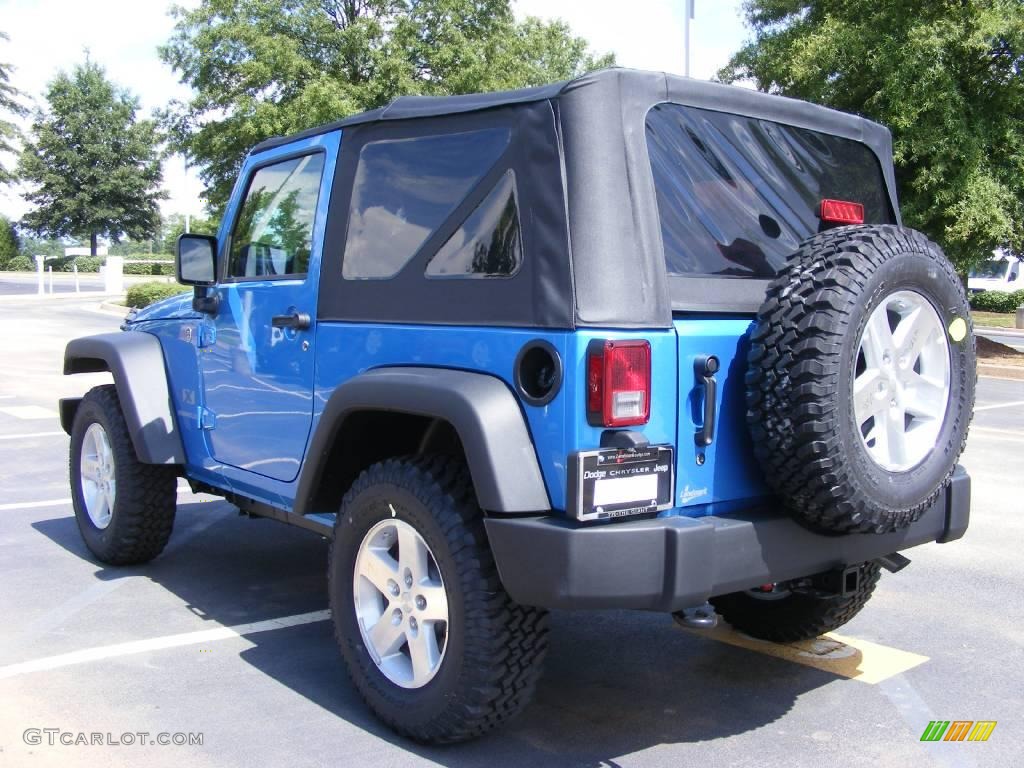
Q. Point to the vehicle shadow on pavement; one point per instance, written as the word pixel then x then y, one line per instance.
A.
pixel 615 682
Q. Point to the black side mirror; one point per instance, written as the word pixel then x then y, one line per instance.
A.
pixel 195 261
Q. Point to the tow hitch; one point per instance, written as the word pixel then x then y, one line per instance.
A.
pixel 841 582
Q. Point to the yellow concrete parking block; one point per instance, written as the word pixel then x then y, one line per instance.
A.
pixel 840 655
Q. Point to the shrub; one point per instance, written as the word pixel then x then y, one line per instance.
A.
pixel 143 294
pixel 997 301
pixel 21 263
pixel 148 269
pixel 85 264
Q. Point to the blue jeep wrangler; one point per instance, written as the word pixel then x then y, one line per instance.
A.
pixel 627 341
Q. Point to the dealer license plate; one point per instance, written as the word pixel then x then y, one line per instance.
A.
pixel 610 482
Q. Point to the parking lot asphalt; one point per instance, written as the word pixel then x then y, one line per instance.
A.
pixel 191 643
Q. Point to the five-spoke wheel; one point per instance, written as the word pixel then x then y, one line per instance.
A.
pixel 401 603
pixel 901 384
pixel 98 478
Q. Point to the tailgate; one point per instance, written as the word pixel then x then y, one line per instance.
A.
pixel 711 479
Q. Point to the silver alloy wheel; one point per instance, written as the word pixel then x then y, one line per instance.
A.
pixel 401 603
pixel 98 481
pixel 901 381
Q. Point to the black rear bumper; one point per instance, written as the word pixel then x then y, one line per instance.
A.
pixel 667 564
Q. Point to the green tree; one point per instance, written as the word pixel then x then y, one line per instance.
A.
pixel 8 242
pixel 261 68
pixel 173 226
pixel 33 246
pixel 93 167
pixel 946 78
pixel 10 106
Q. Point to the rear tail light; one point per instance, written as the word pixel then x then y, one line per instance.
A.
pixel 618 383
pixel 842 212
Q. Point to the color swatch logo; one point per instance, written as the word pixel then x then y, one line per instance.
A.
pixel 958 730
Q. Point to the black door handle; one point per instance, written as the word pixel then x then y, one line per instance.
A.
pixel 706 368
pixel 298 321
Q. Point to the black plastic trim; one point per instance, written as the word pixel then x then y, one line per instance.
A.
pixel 136 360
pixel 68 407
pixel 556 387
pixel 481 408
pixel 667 564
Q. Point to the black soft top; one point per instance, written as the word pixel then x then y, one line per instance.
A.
pixel 617 275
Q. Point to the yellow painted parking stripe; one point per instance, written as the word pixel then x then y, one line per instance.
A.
pixel 840 655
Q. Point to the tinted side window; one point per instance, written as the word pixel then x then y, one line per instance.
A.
pixel 488 244
pixel 736 195
pixel 405 188
pixel 273 233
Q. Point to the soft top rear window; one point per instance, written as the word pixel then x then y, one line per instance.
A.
pixel 736 195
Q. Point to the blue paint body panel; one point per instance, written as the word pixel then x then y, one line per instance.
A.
pixel 729 472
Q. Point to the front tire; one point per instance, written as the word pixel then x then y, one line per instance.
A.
pixel 124 508
pixel 434 645
pixel 782 615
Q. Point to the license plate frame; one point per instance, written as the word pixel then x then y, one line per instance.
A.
pixel 610 466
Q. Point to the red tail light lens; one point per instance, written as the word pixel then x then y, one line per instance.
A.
pixel 618 383
pixel 842 212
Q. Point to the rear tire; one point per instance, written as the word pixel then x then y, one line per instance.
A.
pixel 787 617
pixel 488 650
pixel 124 508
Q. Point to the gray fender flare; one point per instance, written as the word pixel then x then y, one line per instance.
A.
pixel 482 410
pixel 136 361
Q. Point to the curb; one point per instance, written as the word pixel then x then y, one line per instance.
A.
pixel 993 371
pixel 110 308
pixel 999 329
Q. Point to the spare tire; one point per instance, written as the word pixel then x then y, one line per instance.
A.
pixel 861 378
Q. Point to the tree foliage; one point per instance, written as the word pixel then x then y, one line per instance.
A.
pixel 173 227
pixel 260 68
pixel 946 78
pixel 92 166
pixel 8 242
pixel 34 246
pixel 10 106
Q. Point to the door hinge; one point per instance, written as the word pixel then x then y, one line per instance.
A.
pixel 207 419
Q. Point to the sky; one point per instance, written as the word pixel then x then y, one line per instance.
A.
pixel 47 36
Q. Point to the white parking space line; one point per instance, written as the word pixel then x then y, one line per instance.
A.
pixel 59 502
pixel 977 408
pixel 28 412
pixel 992 433
pixel 34 504
pixel 32 435
pixel 159 643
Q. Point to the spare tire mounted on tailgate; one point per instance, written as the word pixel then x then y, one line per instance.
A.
pixel 861 379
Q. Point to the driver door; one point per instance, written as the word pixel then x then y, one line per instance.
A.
pixel 258 372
